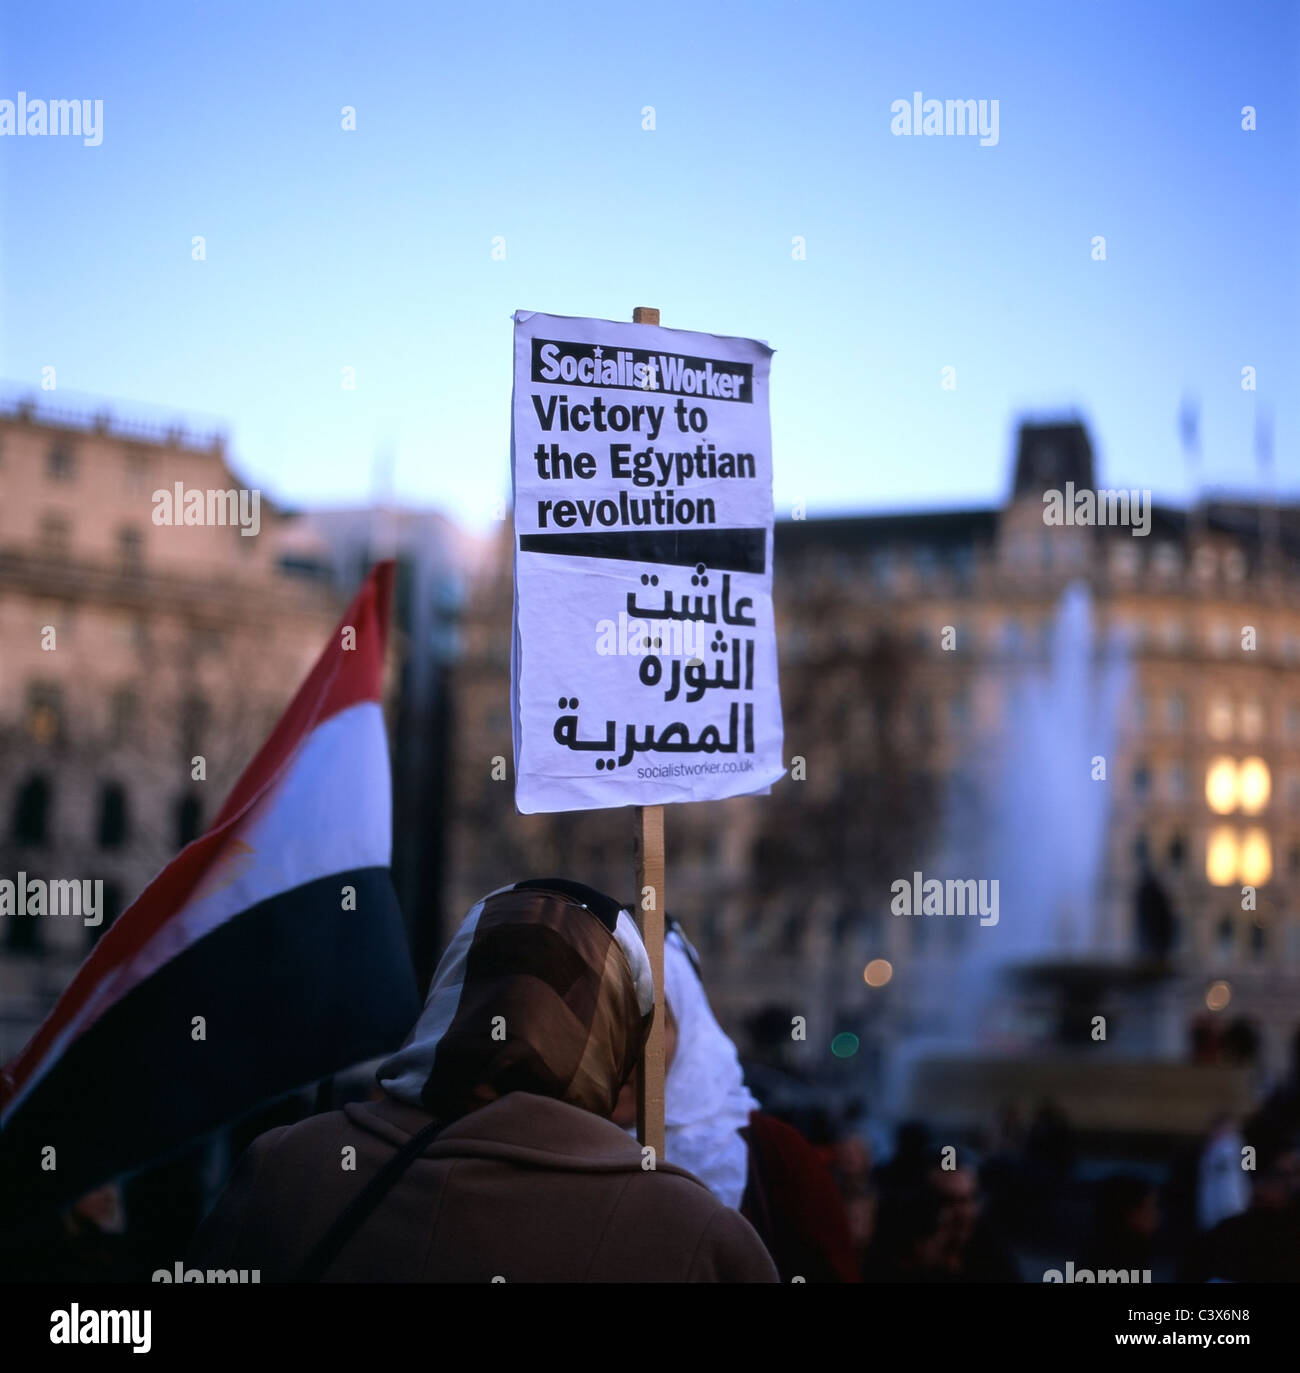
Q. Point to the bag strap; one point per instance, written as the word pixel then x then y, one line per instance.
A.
pixel 326 1250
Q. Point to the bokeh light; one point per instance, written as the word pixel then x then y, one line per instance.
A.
pixel 1221 857
pixel 1221 786
pixel 1254 785
pixel 1256 861
pixel 1218 996
pixel 878 972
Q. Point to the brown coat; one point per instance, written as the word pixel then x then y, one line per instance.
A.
pixel 526 1188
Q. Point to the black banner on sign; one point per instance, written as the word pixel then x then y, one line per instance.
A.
pixel 720 550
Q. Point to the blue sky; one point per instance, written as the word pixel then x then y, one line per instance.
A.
pixel 372 248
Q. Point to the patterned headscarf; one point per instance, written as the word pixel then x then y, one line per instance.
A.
pixel 545 988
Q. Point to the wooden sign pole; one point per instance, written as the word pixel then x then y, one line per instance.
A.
pixel 649 842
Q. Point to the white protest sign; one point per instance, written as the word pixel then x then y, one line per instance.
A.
pixel 643 667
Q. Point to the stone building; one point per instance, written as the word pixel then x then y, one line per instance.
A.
pixel 141 664
pixel 902 639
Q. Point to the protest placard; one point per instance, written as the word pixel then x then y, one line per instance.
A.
pixel 644 667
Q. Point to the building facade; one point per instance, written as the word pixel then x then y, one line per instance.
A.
pixel 902 639
pixel 142 662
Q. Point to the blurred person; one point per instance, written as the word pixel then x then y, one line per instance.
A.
pixel 1126 1218
pixel 750 1161
pixel 912 1158
pixel 492 1154
pixel 1222 1189
pixel 1261 1243
pixel 910 1236
pixel 970 1250
pixel 851 1168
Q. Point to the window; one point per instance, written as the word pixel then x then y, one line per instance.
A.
pixel 60 462
pixel 32 812
pixel 1177 782
pixel 138 469
pixel 125 716
pixel 1218 718
pixel 188 821
pixel 959 711
pixel 195 717
pixel 1175 710
pixel 1172 634
pixel 44 713
pixel 23 934
pixel 56 536
pixel 113 820
pixel 1177 851
pixel 1252 719
pixel 1124 559
pixel 130 549
pixel 1219 637
pixel 1166 561
pixel 1141 780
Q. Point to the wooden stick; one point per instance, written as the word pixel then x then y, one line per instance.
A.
pixel 649 841
pixel 650 893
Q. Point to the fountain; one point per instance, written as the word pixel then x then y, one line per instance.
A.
pixel 1014 1012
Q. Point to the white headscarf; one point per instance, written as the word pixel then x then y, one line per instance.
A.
pixel 706 1099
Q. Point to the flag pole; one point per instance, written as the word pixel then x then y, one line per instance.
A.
pixel 649 845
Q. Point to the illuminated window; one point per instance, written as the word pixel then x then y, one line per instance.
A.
pixel 1254 785
pixel 1256 861
pixel 1221 857
pixel 1221 786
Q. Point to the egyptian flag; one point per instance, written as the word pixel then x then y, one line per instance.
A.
pixel 269 954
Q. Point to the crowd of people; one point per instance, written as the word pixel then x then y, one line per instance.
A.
pixel 499 1144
